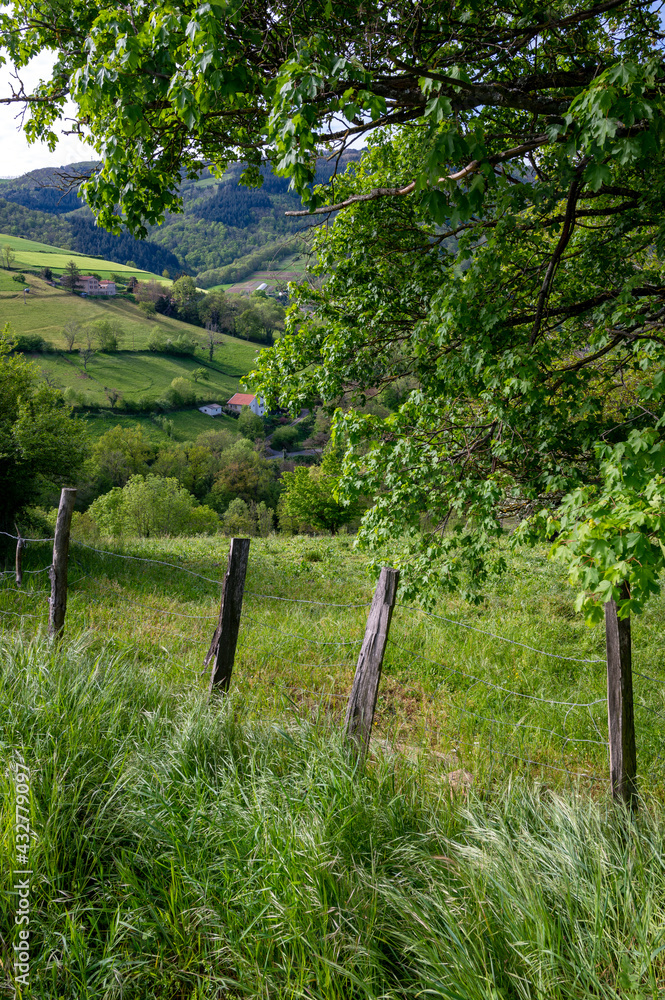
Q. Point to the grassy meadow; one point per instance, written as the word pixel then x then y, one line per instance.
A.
pixel 235 848
pixel 463 697
pixel 133 371
pixel 34 255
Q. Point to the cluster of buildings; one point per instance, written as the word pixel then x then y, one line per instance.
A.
pixel 235 405
pixel 88 284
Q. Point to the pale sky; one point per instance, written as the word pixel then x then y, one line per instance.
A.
pixel 16 156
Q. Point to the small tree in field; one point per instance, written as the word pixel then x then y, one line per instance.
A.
pixel 71 276
pixel 8 257
pixel 238 519
pixel 70 333
pixel 266 520
pixel 86 353
pixel 309 497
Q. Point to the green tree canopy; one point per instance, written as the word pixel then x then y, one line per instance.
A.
pixel 527 140
pixel 310 497
pixel 42 447
pixel 150 505
pixel 119 454
pixel 71 275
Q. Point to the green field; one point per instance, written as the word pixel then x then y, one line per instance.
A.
pixel 32 255
pixel 47 310
pixel 490 706
pixel 133 371
pixel 135 375
pixel 236 847
pixel 187 425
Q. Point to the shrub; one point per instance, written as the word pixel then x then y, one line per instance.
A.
pixel 107 336
pixel 238 519
pixel 151 505
pixel 266 520
pixel 284 437
pixel 20 278
pixel 28 343
pixel 181 346
pixel 182 391
pixel 250 425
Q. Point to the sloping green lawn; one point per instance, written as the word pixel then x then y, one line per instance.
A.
pixel 47 310
pixel 187 425
pixel 134 374
pixel 30 253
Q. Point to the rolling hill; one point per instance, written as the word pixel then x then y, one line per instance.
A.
pixel 31 255
pixel 225 233
pixel 141 376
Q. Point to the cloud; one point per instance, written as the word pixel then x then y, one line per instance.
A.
pixel 17 155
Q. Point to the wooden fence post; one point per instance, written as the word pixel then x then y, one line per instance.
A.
pixel 621 722
pixel 362 701
pixel 58 570
pixel 20 545
pixel 223 646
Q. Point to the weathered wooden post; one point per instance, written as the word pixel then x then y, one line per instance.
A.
pixel 223 646
pixel 58 570
pixel 621 722
pixel 362 701
pixel 20 545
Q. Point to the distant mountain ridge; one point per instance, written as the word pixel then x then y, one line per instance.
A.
pixel 225 230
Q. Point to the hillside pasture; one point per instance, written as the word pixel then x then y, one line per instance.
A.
pixel 134 374
pixel 32 255
pixel 513 687
pixel 49 309
pixel 235 846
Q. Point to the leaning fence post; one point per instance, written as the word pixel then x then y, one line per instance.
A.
pixel 20 545
pixel 362 701
pixel 621 722
pixel 58 570
pixel 223 646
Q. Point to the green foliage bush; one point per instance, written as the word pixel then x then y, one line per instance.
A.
pixel 239 519
pixel 107 336
pixel 309 499
pixel 30 343
pixel 181 392
pixel 182 346
pixel 246 474
pixel 284 437
pixel 250 425
pixel 41 445
pixel 151 505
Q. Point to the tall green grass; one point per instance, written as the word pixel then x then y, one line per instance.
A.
pixel 479 703
pixel 187 849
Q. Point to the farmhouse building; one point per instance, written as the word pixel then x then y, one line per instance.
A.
pixel 90 285
pixel 255 403
pixel 212 409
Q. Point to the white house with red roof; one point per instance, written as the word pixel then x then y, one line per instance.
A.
pixel 241 399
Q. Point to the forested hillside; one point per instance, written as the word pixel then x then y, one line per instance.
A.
pixel 226 230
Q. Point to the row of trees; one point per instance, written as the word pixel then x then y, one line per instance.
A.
pixel 256 317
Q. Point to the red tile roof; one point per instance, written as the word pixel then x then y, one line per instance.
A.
pixel 241 399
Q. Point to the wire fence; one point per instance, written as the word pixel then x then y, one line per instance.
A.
pixel 462 700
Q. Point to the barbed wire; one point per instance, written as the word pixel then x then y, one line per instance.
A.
pixel 150 607
pixel 294 635
pixel 20 538
pixel 20 614
pixel 502 638
pixel 299 600
pixel 499 687
pixel 536 763
pixel 156 562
